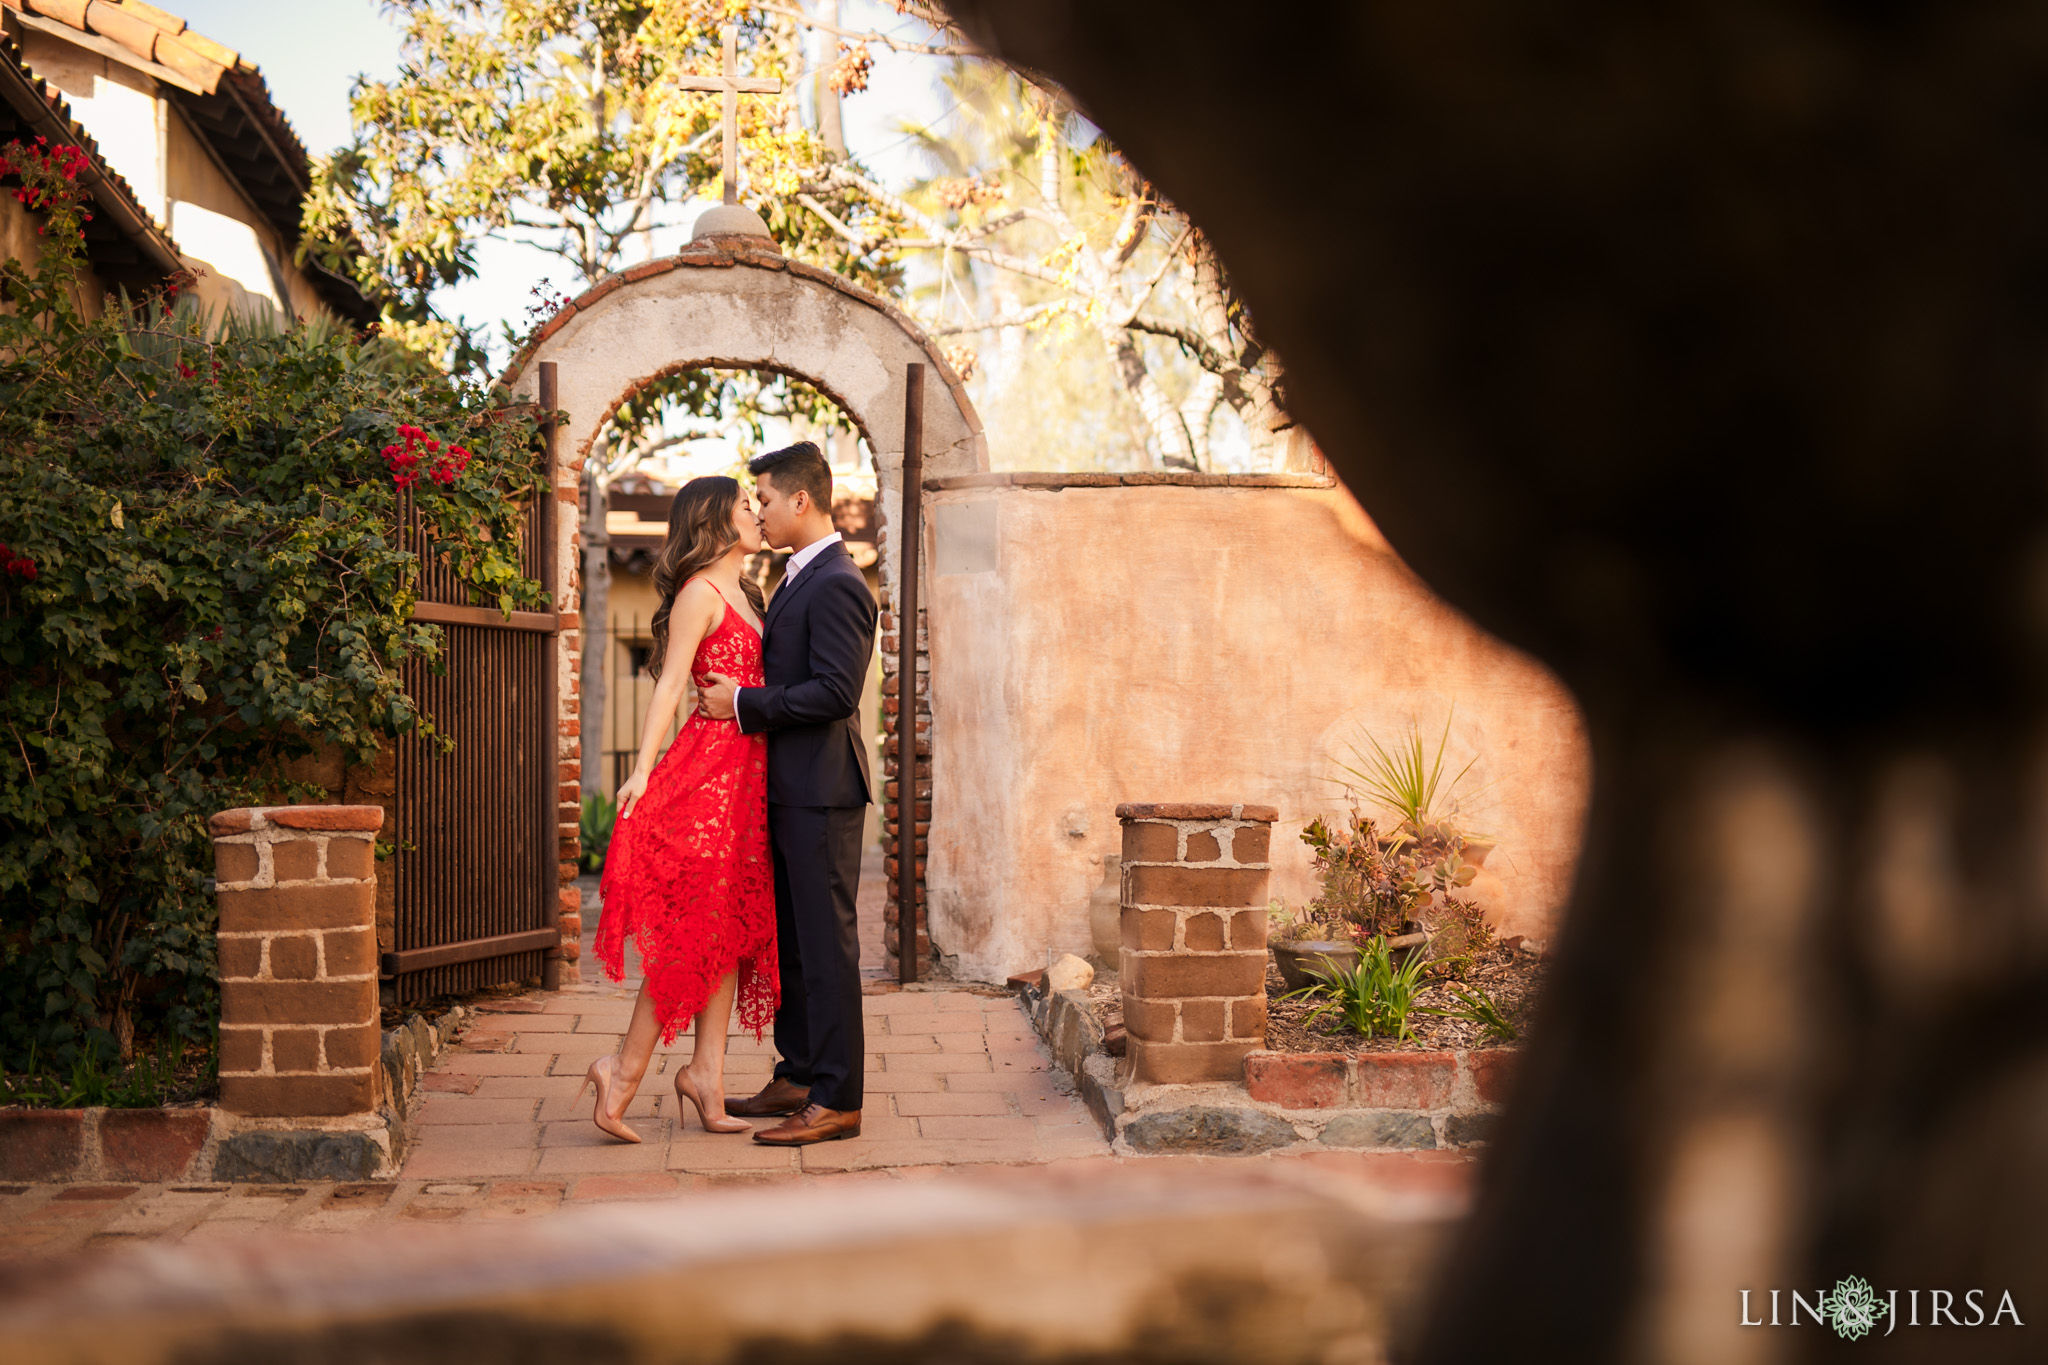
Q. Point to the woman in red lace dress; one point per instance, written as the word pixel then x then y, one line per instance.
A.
pixel 687 877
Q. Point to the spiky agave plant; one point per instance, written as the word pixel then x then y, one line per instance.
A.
pixel 1407 779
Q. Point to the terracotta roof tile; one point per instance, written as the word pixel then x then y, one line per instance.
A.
pixel 162 18
pixel 181 57
pixel 218 53
pixel 70 12
pixel 151 33
pixel 131 31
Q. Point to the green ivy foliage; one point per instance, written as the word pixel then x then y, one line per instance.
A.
pixel 202 583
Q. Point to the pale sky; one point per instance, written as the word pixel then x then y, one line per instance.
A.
pixel 311 52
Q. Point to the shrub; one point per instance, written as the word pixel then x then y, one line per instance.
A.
pixel 204 583
pixel 1375 997
pixel 599 815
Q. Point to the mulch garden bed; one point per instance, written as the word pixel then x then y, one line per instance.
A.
pixel 148 1083
pixel 1511 976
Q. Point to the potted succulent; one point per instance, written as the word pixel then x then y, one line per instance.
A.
pixel 1307 948
pixel 1407 886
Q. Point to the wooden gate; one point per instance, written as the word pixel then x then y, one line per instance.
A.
pixel 474 875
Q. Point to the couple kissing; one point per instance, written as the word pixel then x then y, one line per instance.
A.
pixel 736 856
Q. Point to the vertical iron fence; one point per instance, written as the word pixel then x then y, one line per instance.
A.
pixel 474 870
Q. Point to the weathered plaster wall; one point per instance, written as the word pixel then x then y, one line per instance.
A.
pixel 1091 645
pixel 209 215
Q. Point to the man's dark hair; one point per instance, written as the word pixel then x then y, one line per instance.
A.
pixel 799 466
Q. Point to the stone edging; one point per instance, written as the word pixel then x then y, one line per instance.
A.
pixel 1381 1099
pixel 1055 481
pixel 1384 1101
pixel 1067 1022
pixel 407 1055
pixel 143 1145
pixel 200 1143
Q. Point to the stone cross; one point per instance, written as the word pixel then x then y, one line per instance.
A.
pixel 733 85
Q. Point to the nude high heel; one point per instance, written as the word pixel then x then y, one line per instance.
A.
pixel 716 1120
pixel 601 1074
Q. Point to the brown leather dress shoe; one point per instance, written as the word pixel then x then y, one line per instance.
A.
pixel 815 1124
pixel 779 1096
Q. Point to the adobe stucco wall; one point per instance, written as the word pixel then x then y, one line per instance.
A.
pixel 19 241
pixel 1202 642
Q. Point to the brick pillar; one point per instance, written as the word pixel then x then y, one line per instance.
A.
pixel 568 589
pixel 298 959
pixel 1194 938
pixel 920 793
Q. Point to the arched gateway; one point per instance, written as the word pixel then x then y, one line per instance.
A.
pixel 733 301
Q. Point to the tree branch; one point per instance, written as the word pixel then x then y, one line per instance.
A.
pixel 1021 318
pixel 1165 264
pixel 1211 359
pixel 847 233
pixel 872 36
pixel 902 208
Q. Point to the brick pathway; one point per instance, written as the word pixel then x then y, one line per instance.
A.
pixel 953 1075
pixel 956 1079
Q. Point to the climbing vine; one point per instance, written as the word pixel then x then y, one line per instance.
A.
pixel 201 584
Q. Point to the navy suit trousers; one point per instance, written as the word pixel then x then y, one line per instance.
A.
pixel 817 872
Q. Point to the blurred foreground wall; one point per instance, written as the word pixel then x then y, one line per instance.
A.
pixel 1100 1264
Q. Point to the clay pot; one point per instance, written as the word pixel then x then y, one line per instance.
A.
pixel 1299 960
pixel 1105 911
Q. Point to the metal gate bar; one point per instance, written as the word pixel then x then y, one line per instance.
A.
pixel 474 874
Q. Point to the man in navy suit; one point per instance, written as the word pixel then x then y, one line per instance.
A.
pixel 816 644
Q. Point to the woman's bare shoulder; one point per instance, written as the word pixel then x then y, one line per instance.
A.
pixel 698 601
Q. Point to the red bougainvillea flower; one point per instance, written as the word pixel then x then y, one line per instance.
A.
pixel 450 465
pixel 185 371
pixel 414 448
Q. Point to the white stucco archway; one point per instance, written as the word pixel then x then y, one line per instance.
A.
pixel 737 303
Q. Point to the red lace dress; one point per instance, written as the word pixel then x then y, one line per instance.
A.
pixel 687 877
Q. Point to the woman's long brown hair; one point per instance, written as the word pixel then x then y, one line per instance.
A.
pixel 700 533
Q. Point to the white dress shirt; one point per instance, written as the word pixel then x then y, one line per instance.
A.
pixel 796 565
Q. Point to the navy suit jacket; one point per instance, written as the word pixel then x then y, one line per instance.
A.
pixel 816 644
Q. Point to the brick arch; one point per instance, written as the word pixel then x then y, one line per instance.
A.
pixel 738 303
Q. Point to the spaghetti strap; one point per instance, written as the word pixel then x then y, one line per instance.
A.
pixel 728 603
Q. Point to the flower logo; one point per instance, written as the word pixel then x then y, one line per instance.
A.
pixel 1852 1308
